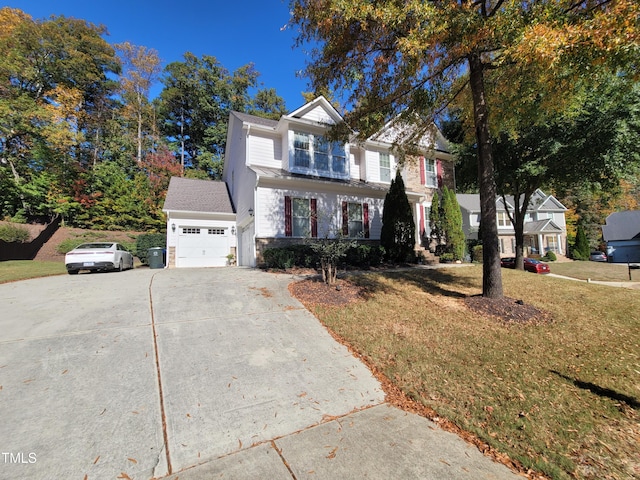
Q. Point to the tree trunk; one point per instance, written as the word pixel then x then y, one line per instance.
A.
pixel 139 156
pixel 491 274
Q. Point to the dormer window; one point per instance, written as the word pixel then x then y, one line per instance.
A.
pixel 314 155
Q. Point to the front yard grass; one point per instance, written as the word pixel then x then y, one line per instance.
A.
pixel 605 272
pixel 13 270
pixel 560 397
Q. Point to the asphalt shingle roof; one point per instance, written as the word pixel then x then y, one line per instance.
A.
pixel 192 195
pixel 622 226
pixel 265 122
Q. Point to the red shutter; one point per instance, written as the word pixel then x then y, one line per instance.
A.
pixel 314 218
pixel 345 219
pixel 439 171
pixel 423 176
pixel 288 229
pixel 365 219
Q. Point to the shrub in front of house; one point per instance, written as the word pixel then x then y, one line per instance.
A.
pixel 476 253
pixel 146 241
pixel 14 233
pixel 364 256
pixel 359 256
pixel 279 258
pixel 549 257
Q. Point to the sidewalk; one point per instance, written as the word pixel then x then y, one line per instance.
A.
pixel 632 285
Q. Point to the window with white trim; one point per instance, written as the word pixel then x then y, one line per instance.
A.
pixel 503 219
pixel 430 172
pixel 315 155
pixel 216 231
pixel 385 167
pixel 190 231
pixel 427 221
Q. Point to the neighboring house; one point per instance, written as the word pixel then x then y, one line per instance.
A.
pixel 288 183
pixel 201 223
pixel 622 235
pixel 545 228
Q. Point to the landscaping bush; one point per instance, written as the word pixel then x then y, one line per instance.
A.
pixel 360 256
pixel 280 258
pixel 447 257
pixel 364 256
pixel 477 253
pixel 146 241
pixel 14 233
pixel 549 257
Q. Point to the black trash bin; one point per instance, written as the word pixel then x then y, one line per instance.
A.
pixel 155 257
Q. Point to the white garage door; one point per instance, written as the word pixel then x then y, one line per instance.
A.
pixel 203 247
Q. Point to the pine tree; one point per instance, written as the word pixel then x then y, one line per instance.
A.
pixel 452 224
pixel 581 247
pixel 398 228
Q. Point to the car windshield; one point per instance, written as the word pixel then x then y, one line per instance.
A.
pixel 93 245
pixel 532 260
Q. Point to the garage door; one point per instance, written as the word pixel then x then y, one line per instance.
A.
pixel 202 247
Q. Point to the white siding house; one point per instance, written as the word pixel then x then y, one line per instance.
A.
pixel 287 182
pixel 201 223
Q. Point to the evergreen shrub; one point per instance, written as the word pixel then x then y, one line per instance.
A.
pixel 146 241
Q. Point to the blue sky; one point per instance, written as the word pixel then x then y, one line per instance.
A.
pixel 235 32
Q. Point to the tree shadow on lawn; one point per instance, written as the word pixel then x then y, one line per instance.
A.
pixel 601 391
pixel 429 281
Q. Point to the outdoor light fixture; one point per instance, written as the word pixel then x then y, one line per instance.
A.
pixel 173 227
pixel 233 230
pixel 251 212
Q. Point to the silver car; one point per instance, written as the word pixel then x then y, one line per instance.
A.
pixel 598 257
pixel 98 256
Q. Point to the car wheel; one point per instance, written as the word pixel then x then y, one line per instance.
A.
pixel 72 272
pixel 121 266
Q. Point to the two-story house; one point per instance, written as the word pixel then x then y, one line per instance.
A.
pixel 287 182
pixel 545 228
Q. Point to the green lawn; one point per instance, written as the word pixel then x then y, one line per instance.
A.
pixel 560 397
pixel 12 270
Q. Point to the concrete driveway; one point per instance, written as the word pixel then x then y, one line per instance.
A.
pixel 193 374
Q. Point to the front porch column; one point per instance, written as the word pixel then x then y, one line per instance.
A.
pixel 541 250
pixel 560 244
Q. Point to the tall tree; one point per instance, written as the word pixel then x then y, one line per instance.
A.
pixel 53 74
pixel 194 106
pixel 413 57
pixel 141 67
pixel 398 228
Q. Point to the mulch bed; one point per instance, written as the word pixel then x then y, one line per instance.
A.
pixel 313 291
pixel 506 309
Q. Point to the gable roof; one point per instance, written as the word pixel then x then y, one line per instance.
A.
pixel 542 226
pixel 255 120
pixel 622 226
pixel 193 195
pixel 319 110
pixel 539 202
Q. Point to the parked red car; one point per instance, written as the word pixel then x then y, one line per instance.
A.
pixel 530 264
